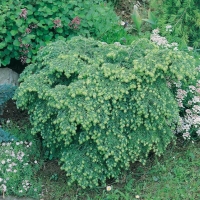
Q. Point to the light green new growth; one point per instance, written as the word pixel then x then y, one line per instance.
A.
pixel 100 107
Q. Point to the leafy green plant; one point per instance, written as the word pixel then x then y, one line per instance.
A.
pixel 152 19
pixel 26 26
pixel 100 107
pixel 117 34
pixel 184 19
pixel 137 19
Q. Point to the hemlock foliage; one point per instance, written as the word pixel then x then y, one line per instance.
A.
pixel 183 16
pixel 100 107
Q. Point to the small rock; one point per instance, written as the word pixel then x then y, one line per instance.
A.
pixel 8 76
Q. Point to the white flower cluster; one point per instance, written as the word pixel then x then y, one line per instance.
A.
pixel 3 185
pixel 26 185
pixel 192 117
pixel 162 41
pixel 10 158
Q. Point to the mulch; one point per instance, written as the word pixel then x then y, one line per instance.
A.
pixel 13 114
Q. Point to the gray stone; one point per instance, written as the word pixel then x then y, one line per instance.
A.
pixel 8 76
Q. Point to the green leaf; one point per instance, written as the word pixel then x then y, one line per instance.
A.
pixel 13 32
pixel 152 17
pixel 59 30
pixel 90 23
pixel 28 60
pixel 29 7
pixel 149 21
pixel 10 47
pixel 13 17
pixel 8 38
pixel 2 45
pixel 19 22
pixel 47 37
pixel 5 61
pixel 16 42
pixel 137 19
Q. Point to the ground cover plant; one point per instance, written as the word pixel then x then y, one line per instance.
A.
pixel 100 107
pixel 20 161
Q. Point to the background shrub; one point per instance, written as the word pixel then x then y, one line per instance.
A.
pixel 6 93
pixel 117 34
pixel 5 136
pixel 26 26
pixel 100 107
pixel 183 16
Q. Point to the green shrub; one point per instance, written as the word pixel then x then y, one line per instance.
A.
pixel 179 20
pixel 28 25
pixel 117 34
pixel 5 136
pixel 6 92
pixel 100 107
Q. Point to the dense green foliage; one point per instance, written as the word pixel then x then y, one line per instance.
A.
pixel 183 16
pixel 5 136
pixel 6 93
pixel 100 107
pixel 117 34
pixel 28 25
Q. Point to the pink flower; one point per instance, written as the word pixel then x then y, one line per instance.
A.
pixel 28 30
pixel 23 13
pixel 74 24
pixel 57 23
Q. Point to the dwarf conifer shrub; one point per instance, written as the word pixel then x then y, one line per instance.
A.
pixel 100 107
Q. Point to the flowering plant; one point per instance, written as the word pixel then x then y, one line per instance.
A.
pixel 28 25
pixel 187 94
pixel 188 99
pixel 19 164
